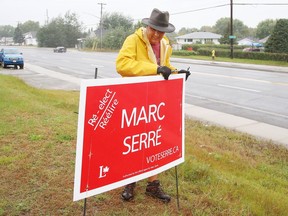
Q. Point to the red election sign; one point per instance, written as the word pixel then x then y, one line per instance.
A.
pixel 128 129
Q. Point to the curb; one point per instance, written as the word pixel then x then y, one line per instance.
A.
pixel 262 130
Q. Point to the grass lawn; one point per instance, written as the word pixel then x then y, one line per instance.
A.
pixel 225 172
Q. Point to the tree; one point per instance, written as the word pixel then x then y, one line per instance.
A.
pixel 51 34
pixel 225 39
pixel 30 26
pixel 117 27
pixel 72 29
pixel 60 32
pixel 184 31
pixel 115 20
pixel 138 25
pixel 239 29
pixel 278 41
pixel 207 29
pixel 7 31
pixel 18 35
pixel 252 32
pixel 114 38
pixel 265 28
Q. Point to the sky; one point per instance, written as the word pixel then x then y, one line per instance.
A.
pixel 183 13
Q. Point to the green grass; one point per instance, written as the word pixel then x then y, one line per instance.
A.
pixel 237 60
pixel 225 172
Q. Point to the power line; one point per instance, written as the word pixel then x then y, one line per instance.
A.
pixel 223 5
pixel 200 9
pixel 264 4
pixel 92 15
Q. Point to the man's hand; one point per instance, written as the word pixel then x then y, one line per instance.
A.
pixel 165 71
pixel 187 72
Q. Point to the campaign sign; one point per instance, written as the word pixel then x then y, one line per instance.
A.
pixel 128 129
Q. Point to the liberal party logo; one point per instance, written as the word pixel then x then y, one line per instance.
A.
pixel 103 171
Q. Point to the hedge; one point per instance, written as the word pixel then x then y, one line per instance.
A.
pixel 237 53
pixel 195 47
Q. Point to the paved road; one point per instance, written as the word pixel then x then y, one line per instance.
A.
pixel 49 79
pixel 254 92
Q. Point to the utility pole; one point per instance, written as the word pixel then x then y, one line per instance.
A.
pixel 231 28
pixel 101 25
pixel 47 17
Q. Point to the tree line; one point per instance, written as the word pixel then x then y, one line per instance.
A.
pixel 115 27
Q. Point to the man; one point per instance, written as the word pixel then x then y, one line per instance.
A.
pixel 147 52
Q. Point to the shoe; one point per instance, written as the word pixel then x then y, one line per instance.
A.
pixel 128 192
pixel 154 189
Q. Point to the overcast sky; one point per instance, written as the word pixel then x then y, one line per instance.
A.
pixel 183 13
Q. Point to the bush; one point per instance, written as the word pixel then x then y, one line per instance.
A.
pixel 218 53
pixel 196 47
pixel 224 51
pixel 184 53
pixel 278 41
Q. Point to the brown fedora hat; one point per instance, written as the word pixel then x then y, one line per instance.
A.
pixel 159 20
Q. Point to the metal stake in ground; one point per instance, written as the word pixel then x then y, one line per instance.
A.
pixel 177 193
pixel 85 200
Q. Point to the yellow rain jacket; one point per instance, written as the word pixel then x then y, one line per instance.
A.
pixel 136 57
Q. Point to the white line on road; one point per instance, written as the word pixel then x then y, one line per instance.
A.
pixel 239 88
pixel 238 106
pixel 232 77
pixel 241 78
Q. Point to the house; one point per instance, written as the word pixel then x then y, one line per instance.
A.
pixel 264 40
pixel 250 42
pixel 246 42
pixel 199 37
pixel 30 38
pixel 6 41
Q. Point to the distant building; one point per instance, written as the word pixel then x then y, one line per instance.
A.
pixel 199 37
pixel 30 39
pixel 6 41
pixel 246 42
pixel 264 40
pixel 250 42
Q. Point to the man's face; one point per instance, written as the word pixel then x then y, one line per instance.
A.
pixel 154 36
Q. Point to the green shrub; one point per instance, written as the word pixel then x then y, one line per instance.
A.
pixel 196 47
pixel 184 53
pixel 222 51
pixel 278 41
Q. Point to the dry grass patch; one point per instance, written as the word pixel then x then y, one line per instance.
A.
pixel 225 172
